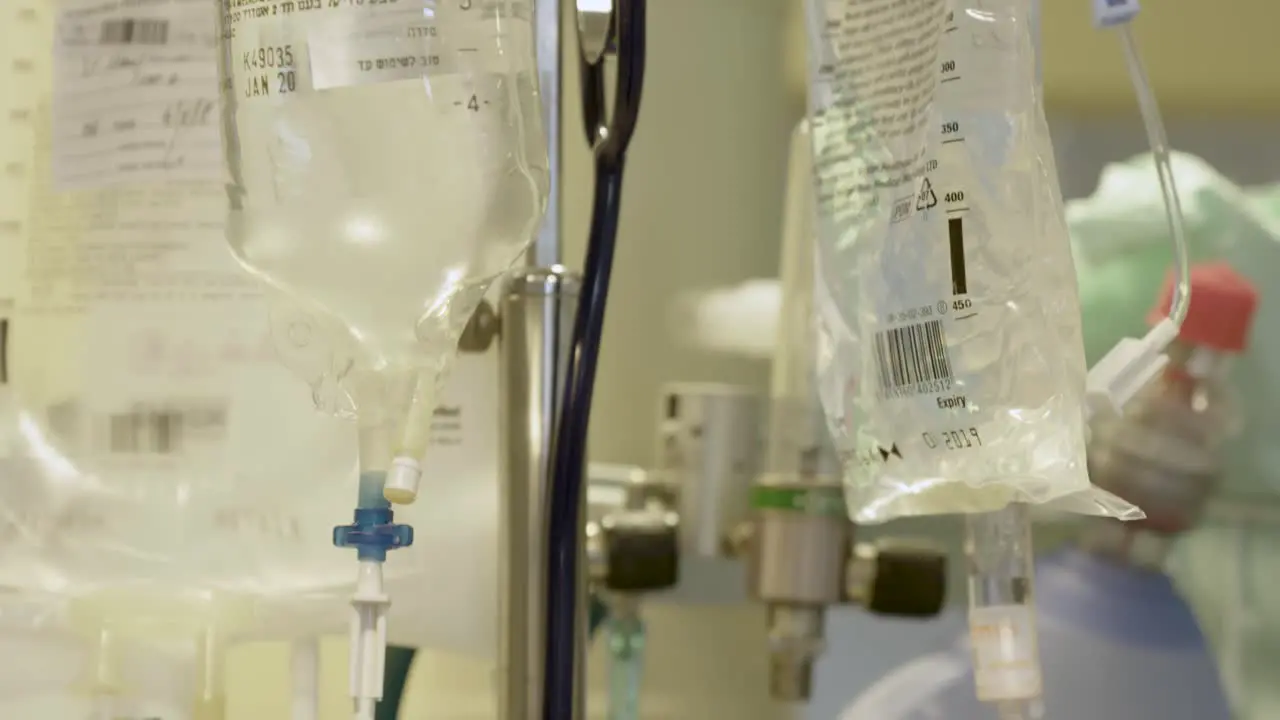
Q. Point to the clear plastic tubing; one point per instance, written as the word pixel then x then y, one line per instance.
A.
pixel 1159 142
pixel 626 671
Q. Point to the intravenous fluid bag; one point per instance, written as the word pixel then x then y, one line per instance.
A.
pixel 167 468
pixel 950 355
pixel 387 163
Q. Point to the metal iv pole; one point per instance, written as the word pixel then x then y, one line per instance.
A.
pixel 537 310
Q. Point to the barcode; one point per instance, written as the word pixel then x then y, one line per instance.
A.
pixel 913 359
pixel 160 432
pixel 134 31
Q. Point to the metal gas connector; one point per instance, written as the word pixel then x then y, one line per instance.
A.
pixel 802 559
pixel 783 512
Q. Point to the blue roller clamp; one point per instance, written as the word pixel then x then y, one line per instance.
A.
pixel 374 532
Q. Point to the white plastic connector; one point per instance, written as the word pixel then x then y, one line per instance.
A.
pixel 1109 13
pixel 368 638
pixel 401 487
pixel 1124 371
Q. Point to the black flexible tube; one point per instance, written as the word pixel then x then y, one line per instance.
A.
pixel 562 587
pixel 609 145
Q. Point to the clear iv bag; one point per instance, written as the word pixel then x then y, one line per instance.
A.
pixel 951 360
pixel 387 163
pixel 164 471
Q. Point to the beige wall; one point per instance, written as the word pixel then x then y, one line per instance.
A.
pixel 702 204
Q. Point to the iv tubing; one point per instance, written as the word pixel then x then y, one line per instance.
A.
pixel 626 661
pixel 609 143
pixel 1159 141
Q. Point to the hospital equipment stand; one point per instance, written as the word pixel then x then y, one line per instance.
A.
pixel 535 324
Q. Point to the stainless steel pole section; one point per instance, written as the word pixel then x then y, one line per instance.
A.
pixel 537 314
pixel 547 18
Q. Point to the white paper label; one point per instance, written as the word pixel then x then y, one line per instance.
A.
pixel 1006 663
pixel 135 93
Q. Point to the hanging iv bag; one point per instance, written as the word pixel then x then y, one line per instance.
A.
pixel 387 163
pixel 950 356
pixel 172 472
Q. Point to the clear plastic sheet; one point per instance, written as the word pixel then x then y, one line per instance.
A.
pixel 163 469
pixel 950 355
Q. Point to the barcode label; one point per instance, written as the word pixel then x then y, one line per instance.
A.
pixel 161 432
pixel 134 31
pixel 913 360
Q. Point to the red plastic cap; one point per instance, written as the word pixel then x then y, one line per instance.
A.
pixel 1222 305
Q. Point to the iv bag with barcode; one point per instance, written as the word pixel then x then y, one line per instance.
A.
pixel 951 360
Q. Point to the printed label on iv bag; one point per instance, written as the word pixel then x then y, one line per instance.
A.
pixel 135 93
pixel 872 98
pixel 1006 662
pixel 284 47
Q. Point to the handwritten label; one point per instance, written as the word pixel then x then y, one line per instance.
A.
pixel 135 93
pixel 282 47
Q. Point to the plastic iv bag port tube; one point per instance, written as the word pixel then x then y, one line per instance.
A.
pixel 609 139
pixel 1002 625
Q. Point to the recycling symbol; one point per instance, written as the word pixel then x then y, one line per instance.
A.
pixel 926 198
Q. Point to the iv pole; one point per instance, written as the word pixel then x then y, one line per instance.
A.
pixel 537 310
